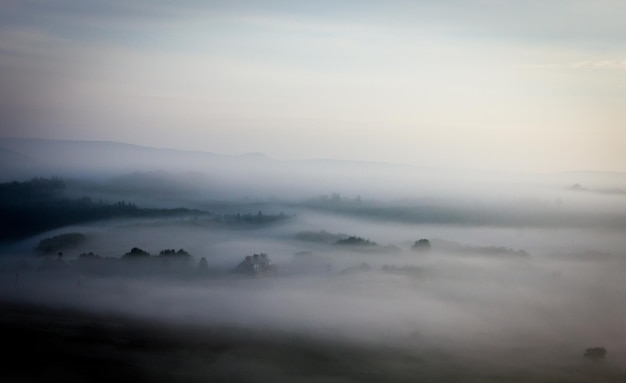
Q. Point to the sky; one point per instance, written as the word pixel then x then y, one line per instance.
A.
pixel 531 86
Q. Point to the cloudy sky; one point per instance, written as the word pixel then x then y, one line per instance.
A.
pixel 532 85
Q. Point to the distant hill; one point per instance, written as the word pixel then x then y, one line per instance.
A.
pixel 110 157
pixel 250 174
pixel 257 175
pixel 62 157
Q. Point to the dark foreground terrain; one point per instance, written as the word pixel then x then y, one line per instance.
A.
pixel 44 345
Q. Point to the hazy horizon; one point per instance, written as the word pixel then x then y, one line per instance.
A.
pixel 263 155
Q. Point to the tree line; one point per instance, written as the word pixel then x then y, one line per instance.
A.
pixel 38 205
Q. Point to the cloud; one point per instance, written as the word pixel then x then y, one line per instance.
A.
pixel 600 64
pixel 609 64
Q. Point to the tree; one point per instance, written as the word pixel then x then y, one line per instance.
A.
pixel 422 245
pixel 595 353
pixel 356 241
pixel 203 266
pixel 60 242
pixel 136 253
pixel 173 253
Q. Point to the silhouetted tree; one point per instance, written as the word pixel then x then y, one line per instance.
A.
pixel 173 253
pixel 203 267
pixel 421 245
pixel 595 353
pixel 136 253
pixel 89 255
pixel 356 241
pixel 60 242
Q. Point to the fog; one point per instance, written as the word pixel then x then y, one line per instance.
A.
pixel 539 311
pixel 522 274
pixel 156 174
